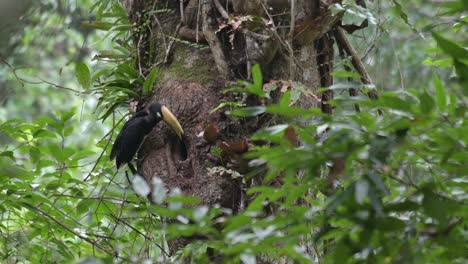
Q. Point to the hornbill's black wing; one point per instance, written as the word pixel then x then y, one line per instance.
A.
pixel 129 139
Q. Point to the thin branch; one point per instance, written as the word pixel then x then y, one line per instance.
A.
pixel 198 20
pixel 213 41
pixel 291 39
pixel 278 37
pixel 432 232
pixel 139 55
pixel 59 223
pixel 397 59
pixel 171 43
pixel 221 9
pixel 343 42
pixel 22 81
pixel 181 10
pixel 107 199
pixel 139 233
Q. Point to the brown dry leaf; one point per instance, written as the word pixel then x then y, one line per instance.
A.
pixel 211 133
pixel 239 147
pixel 291 136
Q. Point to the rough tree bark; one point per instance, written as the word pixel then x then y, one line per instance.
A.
pixel 294 45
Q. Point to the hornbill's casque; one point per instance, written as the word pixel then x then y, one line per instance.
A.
pixel 136 129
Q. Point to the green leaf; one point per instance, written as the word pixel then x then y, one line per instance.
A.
pixel 82 154
pixel 109 111
pixel 403 15
pixel 292 111
pixel 225 104
pixel 391 101
pixel 56 152
pixel 7 170
pixel 440 208
pixel 378 182
pixel 461 69
pixel 405 206
pixel 257 75
pixel 451 47
pixel 441 97
pixel 83 75
pixel 285 99
pixel 66 116
pixel 447 62
pixel 97 25
pixel 150 79
pixel 426 103
pixel 456 6
pixel 389 224
pixel 337 200
pixel 248 111
pixel 8 154
pixel 342 252
pixel 346 74
pixel 34 154
pixel 84 205
pixel 257 87
pixel 127 70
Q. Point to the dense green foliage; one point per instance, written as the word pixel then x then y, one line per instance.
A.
pixel 401 196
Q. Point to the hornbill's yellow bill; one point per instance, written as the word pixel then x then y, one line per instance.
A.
pixel 169 118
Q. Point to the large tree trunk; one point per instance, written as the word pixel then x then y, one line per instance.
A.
pixel 192 77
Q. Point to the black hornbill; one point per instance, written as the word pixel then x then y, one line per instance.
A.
pixel 136 129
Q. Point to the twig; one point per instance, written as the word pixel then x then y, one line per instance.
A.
pixel 198 20
pixel 418 188
pixel 60 86
pixel 278 37
pixel 140 233
pixel 59 223
pixel 343 42
pixel 213 42
pixel 221 9
pixel 432 232
pixel 107 199
pixel 171 43
pixel 291 39
pixel 181 10
pixel 22 81
pixel 397 59
pixel 139 55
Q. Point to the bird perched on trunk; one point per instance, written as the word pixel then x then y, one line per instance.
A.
pixel 133 133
